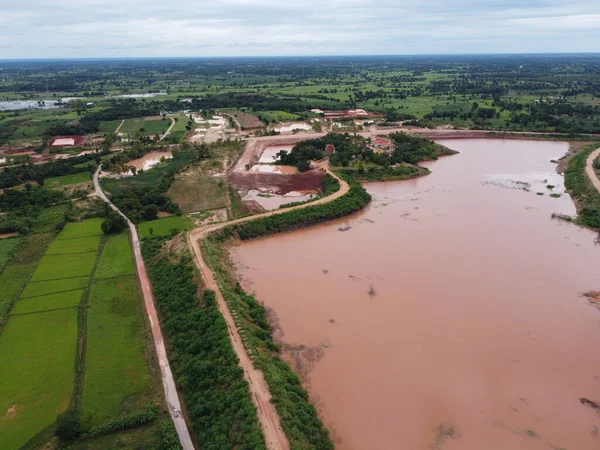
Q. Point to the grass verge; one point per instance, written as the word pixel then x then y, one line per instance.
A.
pixel 587 198
pixel 204 364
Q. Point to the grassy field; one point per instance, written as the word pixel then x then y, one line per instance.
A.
pixel 117 259
pixel 67 180
pixel 53 267
pixel 12 280
pixel 178 131
pixel 54 286
pixel 145 127
pixel 109 126
pixel 276 116
pixel 89 227
pixel 37 369
pixel 163 227
pixel 76 245
pixel 197 193
pixel 48 302
pixel 7 248
pixel 117 377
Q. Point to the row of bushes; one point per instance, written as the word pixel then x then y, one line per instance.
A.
pixel 205 366
pixel 581 189
pixel 384 173
pixel 298 416
pixel 123 423
pixel 356 199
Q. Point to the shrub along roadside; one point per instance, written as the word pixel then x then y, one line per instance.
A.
pixel 587 198
pixel 298 416
pixel 206 368
pixel 123 423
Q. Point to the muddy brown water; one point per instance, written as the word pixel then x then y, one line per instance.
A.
pixel 149 160
pixel 449 312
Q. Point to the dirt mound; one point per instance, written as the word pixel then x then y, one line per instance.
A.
pixel 278 183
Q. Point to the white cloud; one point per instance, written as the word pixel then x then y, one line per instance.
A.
pixel 97 28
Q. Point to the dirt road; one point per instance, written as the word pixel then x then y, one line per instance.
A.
pixel 168 129
pixel 119 127
pixel 589 169
pixel 267 415
pixel 171 395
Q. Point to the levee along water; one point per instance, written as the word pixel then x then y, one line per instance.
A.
pixel 448 314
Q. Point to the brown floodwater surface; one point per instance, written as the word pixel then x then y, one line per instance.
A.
pixel 450 311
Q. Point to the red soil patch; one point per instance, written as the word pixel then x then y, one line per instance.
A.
pixel 247 121
pixel 278 183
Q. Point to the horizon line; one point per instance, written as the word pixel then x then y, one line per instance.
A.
pixel 357 55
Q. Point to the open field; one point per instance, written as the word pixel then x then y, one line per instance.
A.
pixel 198 193
pixel 37 369
pixel 7 247
pixel 116 368
pixel 67 180
pixel 145 127
pixel 109 126
pixel 48 302
pixel 54 286
pixel 53 267
pixel 276 116
pixel 163 227
pixel 178 131
pixel 247 121
pixel 75 245
pixel 13 279
pixel 117 259
pixel 89 227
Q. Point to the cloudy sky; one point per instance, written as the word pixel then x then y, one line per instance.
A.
pixel 146 28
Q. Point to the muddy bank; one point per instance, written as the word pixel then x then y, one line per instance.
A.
pixel 447 315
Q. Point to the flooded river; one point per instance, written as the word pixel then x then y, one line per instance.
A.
pixel 448 314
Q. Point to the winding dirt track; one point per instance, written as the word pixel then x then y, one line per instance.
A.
pixel 589 169
pixel 168 129
pixel 267 415
pixel 171 394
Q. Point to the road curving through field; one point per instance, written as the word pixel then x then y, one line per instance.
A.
pixel 171 394
pixel 261 396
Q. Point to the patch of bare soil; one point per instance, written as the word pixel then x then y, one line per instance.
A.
pixel 11 412
pixel 311 180
pixel 8 235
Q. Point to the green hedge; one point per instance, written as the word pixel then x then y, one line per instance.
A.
pixel 582 190
pixel 204 364
pixel 122 423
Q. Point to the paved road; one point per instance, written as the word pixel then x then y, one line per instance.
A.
pixel 589 169
pixel 261 396
pixel 171 395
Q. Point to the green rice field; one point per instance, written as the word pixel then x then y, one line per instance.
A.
pixel 89 227
pixel 48 302
pixel 53 286
pixel 163 227
pixel 117 259
pixel 53 267
pixel 37 369
pixel 116 367
pixel 75 245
